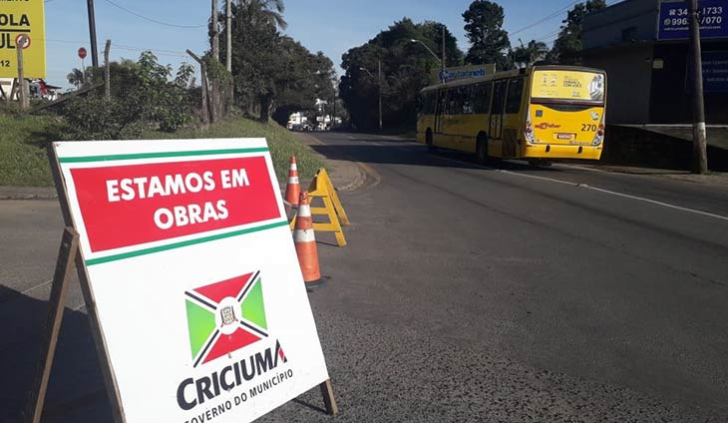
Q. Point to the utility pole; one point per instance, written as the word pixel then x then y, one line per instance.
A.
pixel 203 77
pixel 442 63
pixel 700 155
pixel 229 34
pixel 215 34
pixel 107 70
pixel 24 100
pixel 380 95
pixel 92 31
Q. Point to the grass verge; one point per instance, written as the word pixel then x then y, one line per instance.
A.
pixel 23 161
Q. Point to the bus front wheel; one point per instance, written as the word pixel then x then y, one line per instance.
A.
pixel 428 141
pixel 481 147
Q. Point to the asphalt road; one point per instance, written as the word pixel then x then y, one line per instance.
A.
pixel 467 293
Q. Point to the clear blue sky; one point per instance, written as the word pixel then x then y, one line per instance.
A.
pixel 331 26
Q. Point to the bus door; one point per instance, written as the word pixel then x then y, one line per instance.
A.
pixel 496 111
pixel 440 111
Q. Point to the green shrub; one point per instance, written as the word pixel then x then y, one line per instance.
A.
pixel 98 118
pixel 143 94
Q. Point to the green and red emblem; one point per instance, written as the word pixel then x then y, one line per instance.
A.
pixel 225 317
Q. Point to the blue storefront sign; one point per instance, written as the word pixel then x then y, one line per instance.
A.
pixel 673 22
pixel 715 71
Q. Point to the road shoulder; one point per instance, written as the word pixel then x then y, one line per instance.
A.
pixel 346 175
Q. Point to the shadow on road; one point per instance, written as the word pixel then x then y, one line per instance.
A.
pixel 76 392
pixel 76 389
pixel 390 151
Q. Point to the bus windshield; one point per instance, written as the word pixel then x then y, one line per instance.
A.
pixel 552 86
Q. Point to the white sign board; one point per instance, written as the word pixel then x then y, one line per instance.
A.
pixel 198 290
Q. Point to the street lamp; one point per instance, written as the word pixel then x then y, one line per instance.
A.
pixel 379 83
pixel 442 61
pixel 428 49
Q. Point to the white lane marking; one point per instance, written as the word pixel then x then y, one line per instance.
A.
pixel 603 191
pixel 586 169
pixel 542 178
pixel 659 203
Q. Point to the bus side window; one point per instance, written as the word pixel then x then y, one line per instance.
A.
pixel 515 94
pixel 441 102
pixel 498 97
pixel 468 98
pixel 482 95
pixel 454 102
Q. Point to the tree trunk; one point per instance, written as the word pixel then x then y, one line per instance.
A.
pixel 265 101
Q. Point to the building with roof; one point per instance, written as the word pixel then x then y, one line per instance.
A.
pixel 644 47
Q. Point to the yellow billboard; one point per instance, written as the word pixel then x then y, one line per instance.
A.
pixel 19 18
pixel 568 85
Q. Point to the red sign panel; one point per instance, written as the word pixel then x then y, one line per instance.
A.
pixel 129 205
pixel 82 53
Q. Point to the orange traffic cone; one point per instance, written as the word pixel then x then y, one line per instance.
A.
pixel 305 241
pixel 293 189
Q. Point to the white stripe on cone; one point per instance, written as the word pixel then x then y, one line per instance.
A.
pixel 293 180
pixel 293 166
pixel 304 235
pixel 304 211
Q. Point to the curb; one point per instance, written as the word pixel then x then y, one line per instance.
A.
pixel 362 173
pixel 360 179
pixel 27 193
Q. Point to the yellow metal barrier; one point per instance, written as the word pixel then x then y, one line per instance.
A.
pixel 322 187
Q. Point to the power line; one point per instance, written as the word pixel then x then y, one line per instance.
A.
pixel 154 20
pixel 159 52
pixel 546 37
pixel 546 18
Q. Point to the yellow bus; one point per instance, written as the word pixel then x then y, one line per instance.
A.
pixel 538 114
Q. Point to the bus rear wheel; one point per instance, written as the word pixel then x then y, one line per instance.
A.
pixel 428 141
pixel 481 148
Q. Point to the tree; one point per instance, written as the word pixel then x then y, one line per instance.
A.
pixel 568 45
pixel 527 55
pixel 406 68
pixel 77 77
pixel 488 40
pixel 273 73
pixel 269 10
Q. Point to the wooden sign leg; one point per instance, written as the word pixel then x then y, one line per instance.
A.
pixel 82 272
pixel 329 401
pixel 61 277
